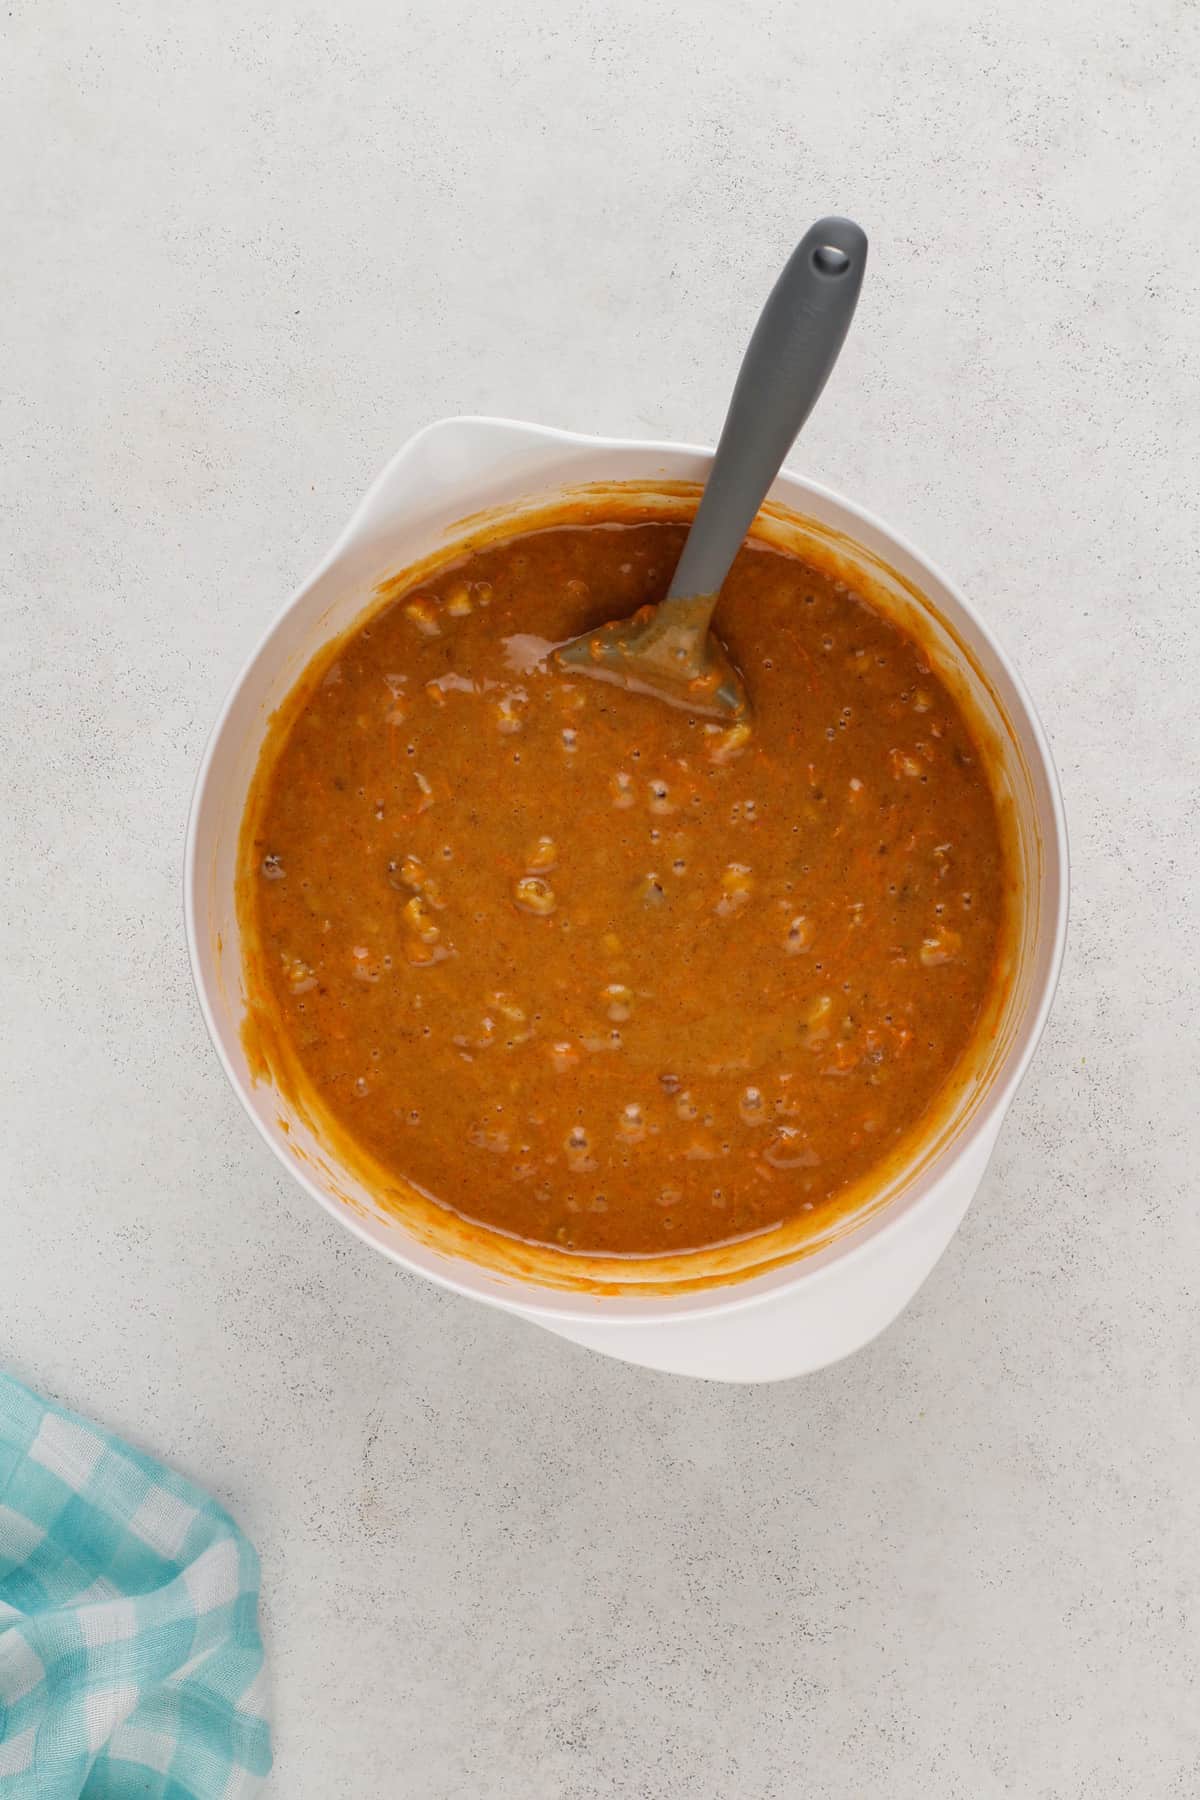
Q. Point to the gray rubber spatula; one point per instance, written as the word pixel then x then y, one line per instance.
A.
pixel 668 649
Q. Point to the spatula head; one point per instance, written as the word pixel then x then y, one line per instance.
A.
pixel 665 651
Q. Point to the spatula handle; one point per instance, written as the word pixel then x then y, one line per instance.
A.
pixel 795 345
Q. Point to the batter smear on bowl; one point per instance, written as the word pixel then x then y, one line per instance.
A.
pixel 598 974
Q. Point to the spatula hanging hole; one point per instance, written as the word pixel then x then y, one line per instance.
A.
pixel 830 260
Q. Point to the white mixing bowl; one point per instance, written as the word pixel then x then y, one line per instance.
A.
pixel 819 1306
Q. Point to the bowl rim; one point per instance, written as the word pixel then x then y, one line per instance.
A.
pixel 555 1306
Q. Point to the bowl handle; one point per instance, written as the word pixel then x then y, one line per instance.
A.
pixel 431 472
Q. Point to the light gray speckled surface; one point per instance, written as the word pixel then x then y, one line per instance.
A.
pixel 248 248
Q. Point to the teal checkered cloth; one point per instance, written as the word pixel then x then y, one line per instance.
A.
pixel 130 1660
